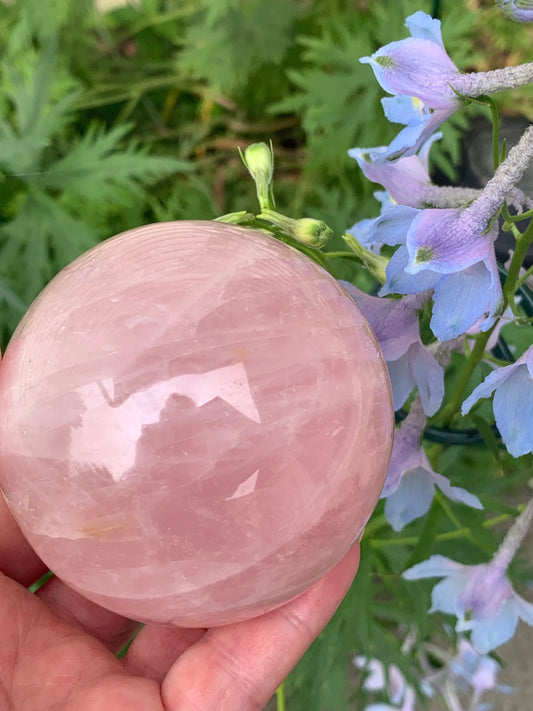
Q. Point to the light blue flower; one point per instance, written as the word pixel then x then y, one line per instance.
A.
pixel 420 123
pixel 472 670
pixel 455 245
pixel 417 66
pixel 410 483
pixel 480 596
pixel 452 251
pixel 436 253
pixel 389 228
pixel 391 681
pixel 407 180
pixel 426 84
pixel 512 403
pixel 410 364
pixel 519 10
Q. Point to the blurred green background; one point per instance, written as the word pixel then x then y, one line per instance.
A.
pixel 114 118
pixel 111 119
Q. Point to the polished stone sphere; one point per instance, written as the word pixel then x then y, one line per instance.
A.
pixel 195 423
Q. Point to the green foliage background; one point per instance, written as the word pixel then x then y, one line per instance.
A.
pixel 108 121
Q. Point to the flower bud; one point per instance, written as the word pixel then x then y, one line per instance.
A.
pixel 313 233
pixel 519 10
pixel 259 159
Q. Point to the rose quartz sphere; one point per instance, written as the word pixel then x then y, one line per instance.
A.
pixel 195 423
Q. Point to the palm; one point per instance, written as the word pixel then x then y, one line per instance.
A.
pixel 58 650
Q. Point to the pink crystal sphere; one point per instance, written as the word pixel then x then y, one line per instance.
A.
pixel 195 423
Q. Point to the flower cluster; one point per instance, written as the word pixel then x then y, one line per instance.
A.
pixel 440 299
pixel 438 247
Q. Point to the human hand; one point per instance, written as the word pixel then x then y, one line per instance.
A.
pixel 57 650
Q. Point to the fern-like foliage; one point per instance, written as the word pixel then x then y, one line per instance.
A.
pixel 57 187
pixel 232 39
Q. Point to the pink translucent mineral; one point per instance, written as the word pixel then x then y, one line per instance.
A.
pixel 195 423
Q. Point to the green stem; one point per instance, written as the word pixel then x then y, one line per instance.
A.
pixel 154 21
pixel 523 243
pixel 448 536
pixel 525 276
pixel 458 392
pixel 375 264
pixel 495 132
pixel 519 216
pixel 280 698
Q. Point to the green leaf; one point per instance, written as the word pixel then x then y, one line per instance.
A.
pixel 39 241
pixel 38 113
pixel 426 541
pixel 98 169
pixel 243 37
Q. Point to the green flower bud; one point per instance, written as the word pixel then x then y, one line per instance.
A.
pixel 313 233
pixel 259 159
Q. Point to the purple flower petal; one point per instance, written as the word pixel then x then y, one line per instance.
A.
pixel 486 590
pixel 394 322
pixel 527 358
pixel 422 25
pixel 453 316
pixel 407 110
pixel 486 388
pixel 497 378
pixel 383 197
pixel 523 608
pixel 400 282
pixel 364 231
pixel 456 493
pixel 406 180
pixel 397 685
pixel 437 566
pixel 411 500
pixel 444 595
pixel 389 228
pixel 513 411
pixel 446 240
pixel 375 681
pixel 491 633
pixel 410 139
pixel 429 377
pixel 416 67
pixel 402 380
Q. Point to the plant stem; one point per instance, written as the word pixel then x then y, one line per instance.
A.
pixel 523 243
pixel 525 276
pixel 458 392
pixel 495 132
pixel 280 698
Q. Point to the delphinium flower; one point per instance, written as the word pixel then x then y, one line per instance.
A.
pixel 410 484
pixel 480 596
pixel 410 363
pixel 390 680
pixel 451 250
pixel 407 181
pixel 467 675
pixel 512 404
pixel 427 85
pixel 519 10
pixel 474 671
